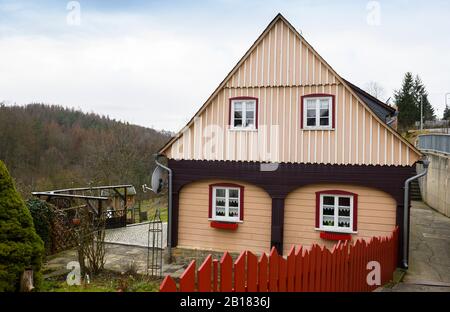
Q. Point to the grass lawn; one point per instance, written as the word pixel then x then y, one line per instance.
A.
pixel 150 206
pixel 106 281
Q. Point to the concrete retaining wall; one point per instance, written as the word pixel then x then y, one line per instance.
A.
pixel 435 186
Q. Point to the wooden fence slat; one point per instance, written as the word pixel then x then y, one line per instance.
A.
pixel 187 279
pixel 351 263
pixel 291 274
pixel 360 267
pixel 338 276
pixel 373 258
pixel 329 271
pixel 396 242
pixel 252 272
pixel 324 267
pixel 305 263
pixel 365 257
pixel 282 274
pixel 377 258
pixel 239 273
pixel 226 272
pixel 318 272
pixel 215 275
pixel 168 285
pixel 204 275
pixel 341 267
pixel 344 268
pixel 262 273
pixel 385 258
pixel 299 269
pixel 333 269
pixel 273 270
pixel 312 268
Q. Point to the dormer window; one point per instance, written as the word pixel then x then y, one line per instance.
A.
pixel 244 113
pixel 317 112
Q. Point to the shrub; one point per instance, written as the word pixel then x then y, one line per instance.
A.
pixel 42 218
pixel 20 247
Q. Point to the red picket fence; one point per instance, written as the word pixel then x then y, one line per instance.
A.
pixel 344 268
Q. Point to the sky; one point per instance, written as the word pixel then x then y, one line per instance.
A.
pixel 154 63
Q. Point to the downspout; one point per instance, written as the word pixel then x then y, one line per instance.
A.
pixel 169 221
pixel 425 162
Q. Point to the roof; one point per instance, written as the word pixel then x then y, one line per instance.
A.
pixel 382 110
pixel 376 106
pixel 110 192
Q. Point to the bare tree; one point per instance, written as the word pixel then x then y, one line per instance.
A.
pixel 376 90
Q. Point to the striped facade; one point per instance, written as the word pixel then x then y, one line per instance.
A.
pixel 280 69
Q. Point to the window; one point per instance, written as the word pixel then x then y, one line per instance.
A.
pixel 244 113
pixel 226 202
pixel 317 112
pixel 336 211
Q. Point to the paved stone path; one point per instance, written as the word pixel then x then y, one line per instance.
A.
pixel 135 235
pixel 429 258
pixel 118 259
pixel 125 247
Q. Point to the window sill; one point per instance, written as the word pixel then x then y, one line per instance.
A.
pixel 336 236
pixel 318 129
pixel 243 129
pixel 224 225
pixel 335 231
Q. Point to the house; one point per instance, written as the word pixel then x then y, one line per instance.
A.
pixel 286 152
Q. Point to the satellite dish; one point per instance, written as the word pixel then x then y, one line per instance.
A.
pixel 157 180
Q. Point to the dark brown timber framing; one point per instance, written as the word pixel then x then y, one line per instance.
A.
pixel 288 177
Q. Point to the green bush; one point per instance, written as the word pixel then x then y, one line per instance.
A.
pixel 20 247
pixel 42 218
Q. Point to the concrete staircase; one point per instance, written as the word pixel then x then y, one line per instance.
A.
pixel 415 191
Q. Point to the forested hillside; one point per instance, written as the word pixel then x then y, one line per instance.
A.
pixel 48 147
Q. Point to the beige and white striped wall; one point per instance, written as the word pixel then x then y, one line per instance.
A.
pixel 278 69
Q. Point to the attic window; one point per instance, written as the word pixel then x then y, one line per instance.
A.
pixel 244 113
pixel 317 112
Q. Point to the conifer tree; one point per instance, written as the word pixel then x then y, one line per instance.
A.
pixel 446 113
pixel 20 247
pixel 409 99
pixel 405 101
pixel 421 97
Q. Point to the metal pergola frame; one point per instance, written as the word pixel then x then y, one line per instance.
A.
pixel 79 193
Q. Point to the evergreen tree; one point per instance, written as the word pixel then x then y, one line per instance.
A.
pixel 20 247
pixel 446 113
pixel 420 95
pixel 406 104
pixel 409 99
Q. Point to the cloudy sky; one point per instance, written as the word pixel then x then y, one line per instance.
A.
pixel 154 63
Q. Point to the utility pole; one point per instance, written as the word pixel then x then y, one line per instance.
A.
pixel 421 113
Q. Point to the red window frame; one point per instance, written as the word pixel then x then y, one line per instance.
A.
pixel 230 103
pixel 313 95
pixel 338 192
pixel 241 199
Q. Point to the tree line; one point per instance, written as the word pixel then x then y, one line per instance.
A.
pixel 49 147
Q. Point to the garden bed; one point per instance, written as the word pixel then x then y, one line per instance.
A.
pixel 107 281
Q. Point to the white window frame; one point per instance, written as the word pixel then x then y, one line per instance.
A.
pixel 336 228
pixel 244 114
pixel 227 203
pixel 317 103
